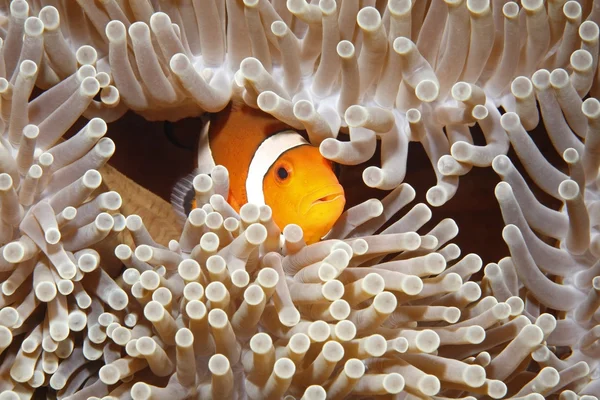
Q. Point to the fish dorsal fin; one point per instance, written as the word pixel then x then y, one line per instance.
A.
pixel 205 159
pixel 265 156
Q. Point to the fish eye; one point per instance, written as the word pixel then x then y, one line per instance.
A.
pixel 282 173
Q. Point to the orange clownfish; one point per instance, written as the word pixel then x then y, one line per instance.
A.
pixel 271 164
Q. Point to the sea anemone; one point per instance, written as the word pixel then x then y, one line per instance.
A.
pixel 56 223
pixel 237 307
pixel 392 71
pixel 566 279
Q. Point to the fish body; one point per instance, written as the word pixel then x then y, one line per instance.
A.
pixel 271 164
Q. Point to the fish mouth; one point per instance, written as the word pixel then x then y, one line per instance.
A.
pixel 327 198
pixel 326 195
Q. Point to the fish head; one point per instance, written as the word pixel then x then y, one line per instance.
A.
pixel 301 188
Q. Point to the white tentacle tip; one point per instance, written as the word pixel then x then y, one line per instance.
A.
pixel 345 49
pixel 532 5
pixel 393 383
pixel 427 90
pixel 588 31
pixel 591 108
pixel 503 191
pixel 251 68
pixel 568 189
pixel 372 176
pixel 28 68
pixel 511 234
pixel 368 19
pixel 437 196
pixel 116 31
pixel 86 55
pixel 279 28
pixel 510 10
pixel 501 164
pixel 160 21
pixel 581 60
pixel 510 121
pixel 328 7
pixel 541 79
pixel 429 385
pixel 19 9
pixel 90 87
pixel 304 110
pixel 268 101
pixel 289 317
pixel 179 63
pixel 33 26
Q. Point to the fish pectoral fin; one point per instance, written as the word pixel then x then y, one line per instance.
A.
pixel 183 196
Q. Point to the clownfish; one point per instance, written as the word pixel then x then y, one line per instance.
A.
pixel 270 164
